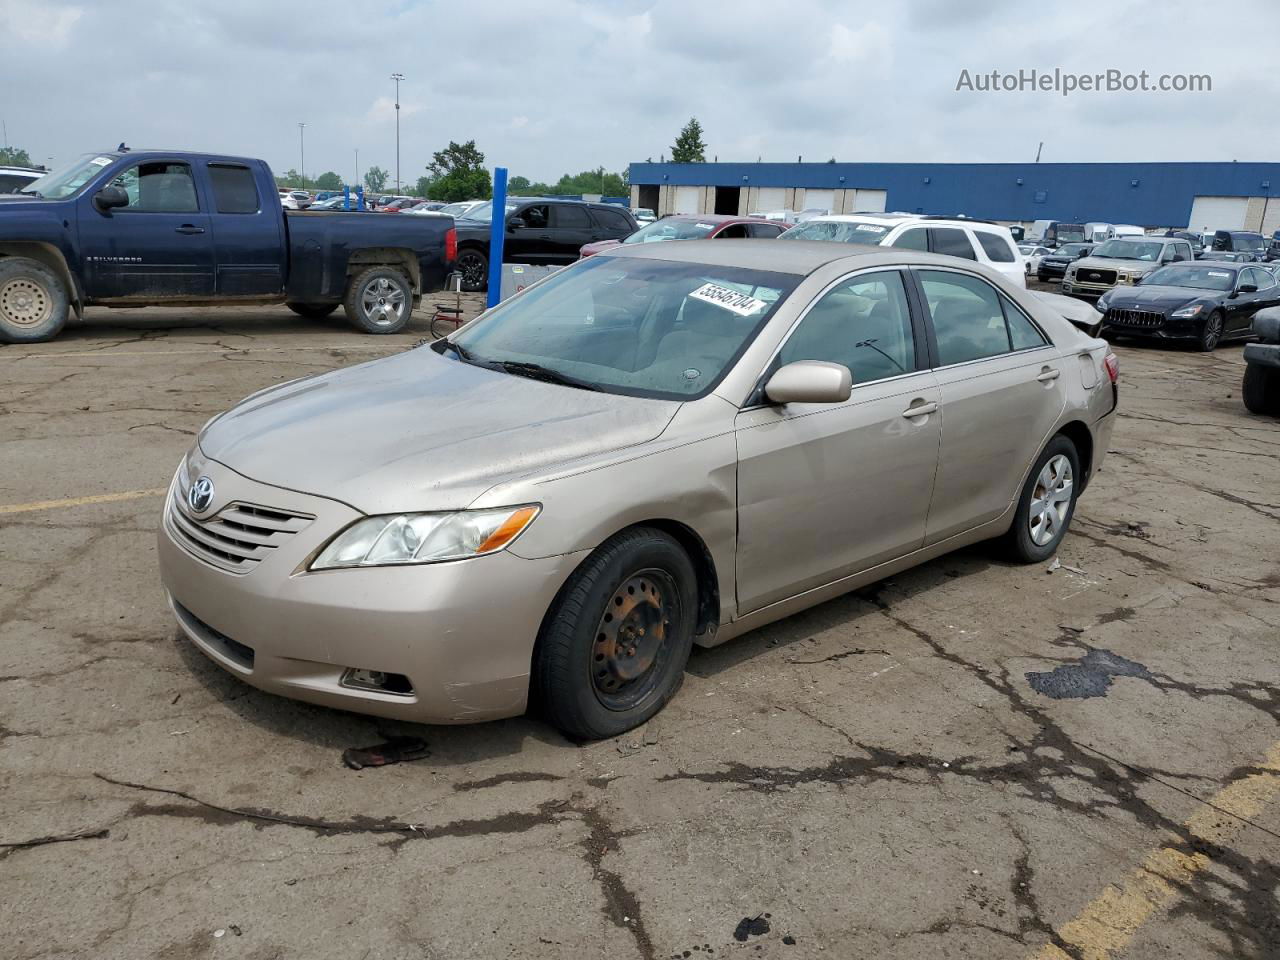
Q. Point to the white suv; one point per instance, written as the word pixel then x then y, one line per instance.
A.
pixel 13 179
pixel 988 243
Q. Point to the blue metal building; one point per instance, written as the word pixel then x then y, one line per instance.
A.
pixel 1228 195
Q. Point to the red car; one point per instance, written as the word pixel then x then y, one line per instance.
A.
pixel 694 226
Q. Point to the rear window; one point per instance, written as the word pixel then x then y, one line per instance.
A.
pixel 233 189
pixel 995 247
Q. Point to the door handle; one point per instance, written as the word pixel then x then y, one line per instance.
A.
pixel 920 410
pixel 189 229
pixel 1049 373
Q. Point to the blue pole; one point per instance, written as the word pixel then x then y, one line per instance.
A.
pixel 497 232
pixel 346 197
pixel 359 197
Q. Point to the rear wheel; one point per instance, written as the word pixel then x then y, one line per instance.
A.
pixel 474 267
pixel 614 646
pixel 1211 332
pixel 379 300
pixel 1261 390
pixel 1047 503
pixel 33 302
pixel 313 311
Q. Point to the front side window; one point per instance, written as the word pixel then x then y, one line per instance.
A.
pixel 233 189
pixel 636 326
pixel 952 243
pixel 863 324
pixel 995 247
pixel 968 320
pixel 735 231
pixel 159 187
pixel 537 216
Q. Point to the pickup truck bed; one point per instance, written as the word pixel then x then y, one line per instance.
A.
pixel 169 228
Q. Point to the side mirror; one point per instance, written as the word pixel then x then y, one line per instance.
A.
pixel 110 197
pixel 810 381
pixel 1247 288
pixel 515 223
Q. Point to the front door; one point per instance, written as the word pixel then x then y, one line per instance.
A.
pixel 827 490
pixel 530 240
pixel 159 247
pixel 1001 393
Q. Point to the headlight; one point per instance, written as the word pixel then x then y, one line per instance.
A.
pixel 1103 302
pixel 1186 313
pixel 425 537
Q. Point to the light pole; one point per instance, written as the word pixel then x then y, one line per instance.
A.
pixel 302 152
pixel 357 166
pixel 397 77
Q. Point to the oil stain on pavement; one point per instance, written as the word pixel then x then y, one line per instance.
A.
pixel 1090 677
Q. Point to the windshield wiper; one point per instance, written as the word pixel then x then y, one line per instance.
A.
pixel 536 371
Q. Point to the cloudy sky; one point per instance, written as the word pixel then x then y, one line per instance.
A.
pixel 552 87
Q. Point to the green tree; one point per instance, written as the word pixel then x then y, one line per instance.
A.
pixel 689 146
pixel 375 179
pixel 588 181
pixel 328 181
pixel 13 157
pixel 458 173
pixel 519 185
pixel 290 178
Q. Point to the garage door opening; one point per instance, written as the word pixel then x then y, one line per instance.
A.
pixel 649 196
pixel 727 200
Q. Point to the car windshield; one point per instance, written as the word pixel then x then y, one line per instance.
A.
pixel 1202 278
pixel 841 231
pixel 1129 250
pixel 629 325
pixel 1248 241
pixel 454 209
pixel 1071 233
pixel 1072 249
pixel 67 180
pixel 669 229
pixel 484 212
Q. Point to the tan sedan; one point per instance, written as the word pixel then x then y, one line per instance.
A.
pixel 660 446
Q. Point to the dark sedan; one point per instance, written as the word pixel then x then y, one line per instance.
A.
pixel 1201 301
pixel 694 226
pixel 1053 265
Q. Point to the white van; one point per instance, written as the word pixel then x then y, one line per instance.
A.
pixel 1128 230
pixel 1097 232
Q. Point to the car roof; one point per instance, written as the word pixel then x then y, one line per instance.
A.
pixel 800 257
pixel 893 219
pixel 716 218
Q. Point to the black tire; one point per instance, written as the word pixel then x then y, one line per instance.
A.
pixel 1020 542
pixel 372 290
pixel 473 264
pixel 1210 332
pixel 584 681
pixel 313 311
pixel 1261 390
pixel 34 302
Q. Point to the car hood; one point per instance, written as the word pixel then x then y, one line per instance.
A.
pixel 1159 297
pixel 420 431
pixel 1110 263
pixel 16 203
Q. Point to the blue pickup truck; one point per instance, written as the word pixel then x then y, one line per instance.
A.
pixel 168 228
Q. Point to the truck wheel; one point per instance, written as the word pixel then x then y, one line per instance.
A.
pixel 33 302
pixel 474 267
pixel 1261 390
pixel 379 300
pixel 313 311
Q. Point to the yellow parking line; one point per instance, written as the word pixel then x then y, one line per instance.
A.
pixel 80 501
pixel 1107 924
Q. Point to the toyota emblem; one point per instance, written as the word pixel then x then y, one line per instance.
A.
pixel 200 496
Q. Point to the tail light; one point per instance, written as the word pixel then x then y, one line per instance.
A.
pixel 1112 363
pixel 450 245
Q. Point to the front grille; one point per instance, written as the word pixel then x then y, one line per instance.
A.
pixel 1090 275
pixel 1133 318
pixel 236 538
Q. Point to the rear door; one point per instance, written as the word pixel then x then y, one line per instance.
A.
pixel 571 227
pixel 1002 391
pixel 610 224
pixel 1242 307
pixel 248 233
pixel 159 247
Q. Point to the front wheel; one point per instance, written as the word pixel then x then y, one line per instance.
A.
pixel 1261 390
pixel 474 267
pixel 379 300
pixel 1211 332
pixel 33 302
pixel 1047 503
pixel 614 646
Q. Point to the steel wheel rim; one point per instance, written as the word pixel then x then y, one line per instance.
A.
pixel 632 641
pixel 471 268
pixel 1050 501
pixel 25 303
pixel 1213 329
pixel 383 301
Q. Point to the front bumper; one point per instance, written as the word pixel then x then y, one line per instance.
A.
pixel 461 632
pixel 1167 330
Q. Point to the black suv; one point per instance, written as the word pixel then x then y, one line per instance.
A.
pixel 539 231
pixel 1053 265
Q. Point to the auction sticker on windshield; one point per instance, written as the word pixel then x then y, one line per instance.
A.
pixel 101 161
pixel 731 300
pixel 1219 273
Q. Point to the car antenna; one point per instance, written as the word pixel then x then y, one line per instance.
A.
pixel 122 148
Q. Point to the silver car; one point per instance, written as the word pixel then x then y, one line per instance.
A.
pixel 660 446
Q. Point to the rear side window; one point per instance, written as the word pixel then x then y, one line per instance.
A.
pixel 995 247
pixel 763 230
pixel 968 320
pixel 913 239
pixel 233 189
pixel 613 221
pixel 1023 334
pixel 564 215
pixel 952 242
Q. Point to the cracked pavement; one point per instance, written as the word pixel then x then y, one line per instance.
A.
pixel 881 776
